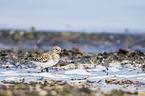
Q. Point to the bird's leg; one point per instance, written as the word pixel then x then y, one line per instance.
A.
pixel 46 69
pixel 41 69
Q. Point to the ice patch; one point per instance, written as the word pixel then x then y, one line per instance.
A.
pixel 98 68
pixel 113 69
pixel 130 76
pixel 13 79
pixel 58 76
pixel 129 66
pixel 99 77
pixel 75 81
pixel 115 64
pixel 10 73
pixel 48 75
pixel 78 72
pixel 124 76
pixel 70 66
pixel 8 64
pixel 80 66
pixel 141 78
pixel 125 61
pixel 45 74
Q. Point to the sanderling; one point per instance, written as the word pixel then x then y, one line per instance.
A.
pixel 48 59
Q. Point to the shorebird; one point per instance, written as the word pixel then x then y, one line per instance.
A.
pixel 48 59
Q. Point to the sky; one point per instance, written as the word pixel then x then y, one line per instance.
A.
pixel 72 14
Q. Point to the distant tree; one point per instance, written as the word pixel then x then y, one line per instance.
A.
pixel 33 29
pixel 69 27
pixel 126 30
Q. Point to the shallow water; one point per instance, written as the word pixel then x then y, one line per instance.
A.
pixel 72 74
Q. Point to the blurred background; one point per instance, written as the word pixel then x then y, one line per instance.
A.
pixel 92 26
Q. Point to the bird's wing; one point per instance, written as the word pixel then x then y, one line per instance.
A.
pixel 45 57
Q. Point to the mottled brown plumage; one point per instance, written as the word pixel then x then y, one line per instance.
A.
pixel 48 59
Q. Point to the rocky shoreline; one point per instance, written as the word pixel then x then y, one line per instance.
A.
pixel 20 59
pixel 127 51
pixel 60 88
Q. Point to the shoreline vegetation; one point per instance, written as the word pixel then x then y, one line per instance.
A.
pixel 85 41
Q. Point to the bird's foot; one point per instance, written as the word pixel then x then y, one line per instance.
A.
pixel 42 70
pixel 46 69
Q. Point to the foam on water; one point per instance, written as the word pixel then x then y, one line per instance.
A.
pixel 78 72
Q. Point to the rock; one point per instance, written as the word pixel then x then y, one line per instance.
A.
pixel 143 67
pixel 123 51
